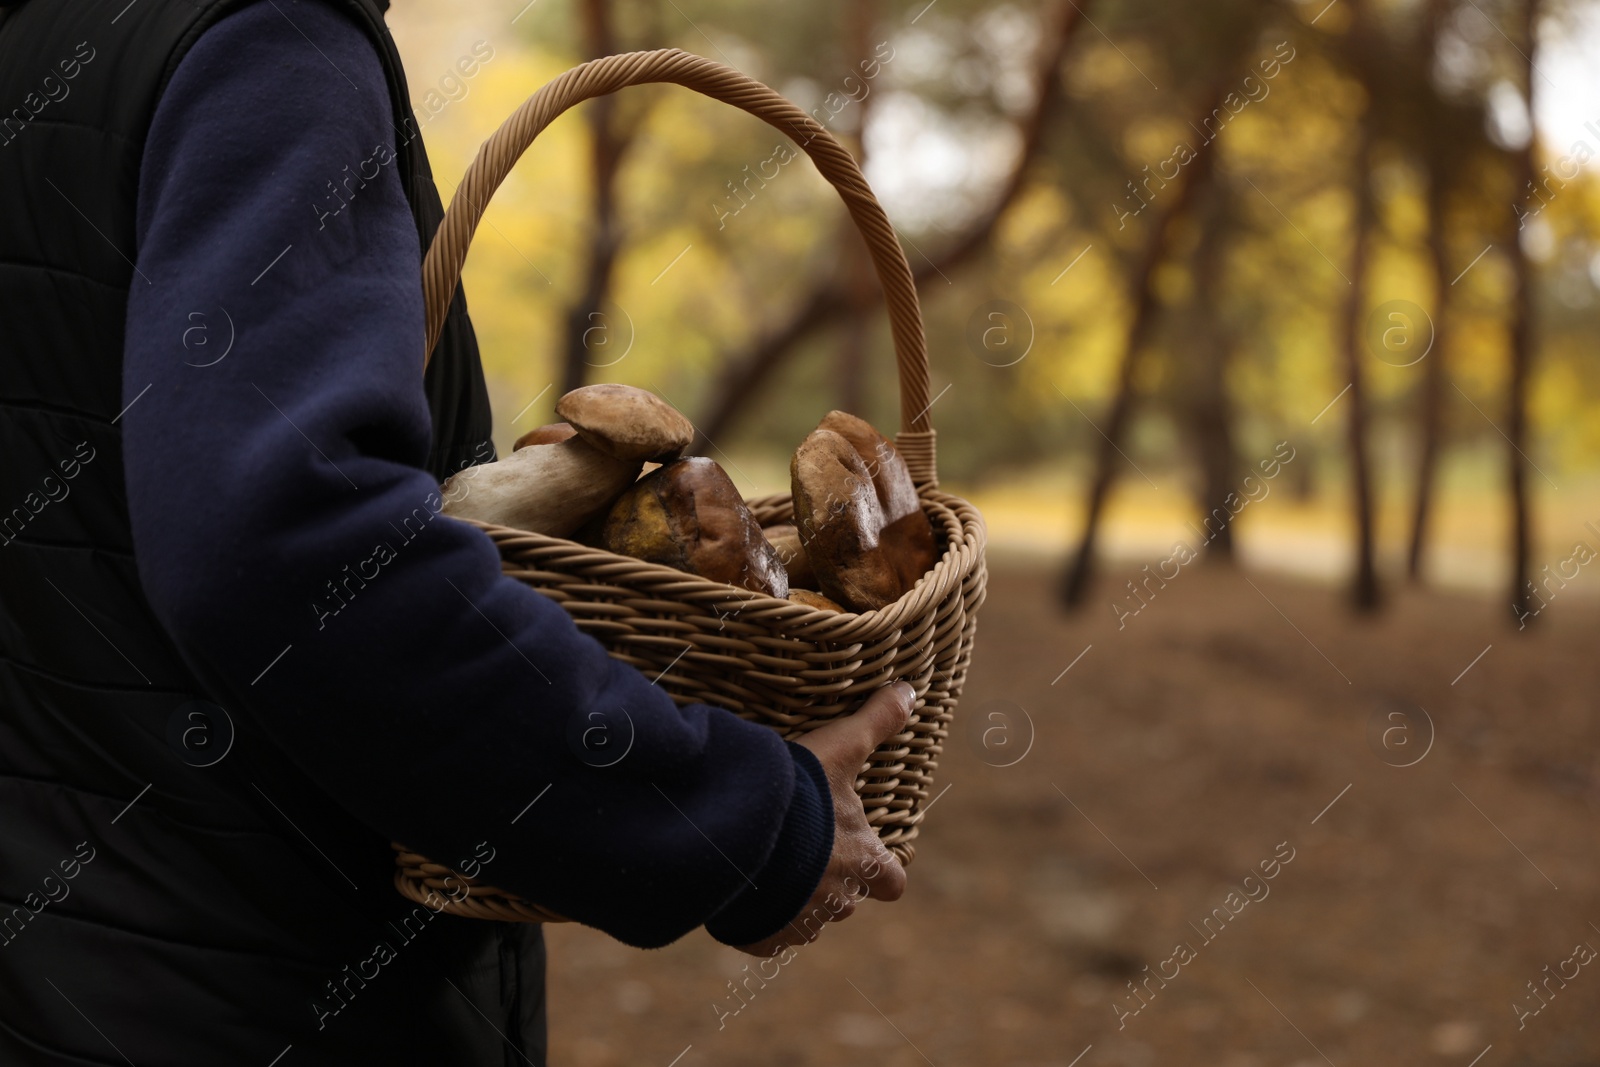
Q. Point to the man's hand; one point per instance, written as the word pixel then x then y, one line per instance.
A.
pixel 860 865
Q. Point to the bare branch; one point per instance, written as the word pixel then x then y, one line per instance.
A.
pixel 828 301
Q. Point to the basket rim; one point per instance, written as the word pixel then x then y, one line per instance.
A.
pixel 962 554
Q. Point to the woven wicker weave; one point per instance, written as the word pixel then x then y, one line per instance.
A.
pixel 771 661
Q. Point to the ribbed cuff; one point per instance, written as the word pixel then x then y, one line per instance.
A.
pixel 793 870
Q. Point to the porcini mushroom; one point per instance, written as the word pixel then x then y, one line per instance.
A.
pixel 891 478
pixel 625 422
pixel 839 519
pixel 545 435
pixel 907 536
pixel 689 515
pixel 792 554
pixel 549 489
pixel 813 600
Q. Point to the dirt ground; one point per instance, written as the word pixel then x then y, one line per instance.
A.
pixel 1225 726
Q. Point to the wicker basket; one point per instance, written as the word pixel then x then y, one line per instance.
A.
pixel 788 666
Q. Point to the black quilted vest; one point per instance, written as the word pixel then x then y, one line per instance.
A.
pixel 152 910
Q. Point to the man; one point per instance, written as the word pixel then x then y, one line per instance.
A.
pixel 240 652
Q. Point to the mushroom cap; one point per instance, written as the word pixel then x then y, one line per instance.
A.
pixel 689 515
pixel 626 422
pixel 897 493
pixel 839 519
pixel 549 434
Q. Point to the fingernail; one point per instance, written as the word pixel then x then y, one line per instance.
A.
pixel 908 690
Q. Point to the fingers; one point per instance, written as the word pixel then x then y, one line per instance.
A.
pixel 764 949
pixel 863 869
pixel 850 740
pixel 885 714
pixel 882 875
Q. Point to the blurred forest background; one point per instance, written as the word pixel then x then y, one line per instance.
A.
pixel 1330 267
pixel 1141 220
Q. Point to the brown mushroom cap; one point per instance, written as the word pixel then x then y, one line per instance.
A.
pixel 897 493
pixel 688 514
pixel 548 434
pixel 625 422
pixel 907 537
pixel 839 518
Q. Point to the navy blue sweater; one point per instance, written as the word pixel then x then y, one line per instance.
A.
pixel 289 540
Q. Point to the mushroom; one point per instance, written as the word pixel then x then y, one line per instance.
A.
pixel 839 519
pixel 891 478
pixel 549 488
pixel 545 435
pixel 626 423
pixel 786 539
pixel 813 600
pixel 907 535
pixel 688 514
pixel 908 542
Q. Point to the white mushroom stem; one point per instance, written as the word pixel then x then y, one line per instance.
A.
pixel 548 489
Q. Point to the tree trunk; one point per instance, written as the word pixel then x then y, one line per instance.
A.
pixel 1210 418
pixel 1432 429
pixel 1075 584
pixel 859 20
pixel 1523 342
pixel 1364 586
pixel 589 334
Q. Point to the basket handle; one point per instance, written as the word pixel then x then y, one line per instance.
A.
pixel 441 269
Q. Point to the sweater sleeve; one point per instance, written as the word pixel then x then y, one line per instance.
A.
pixel 291 543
